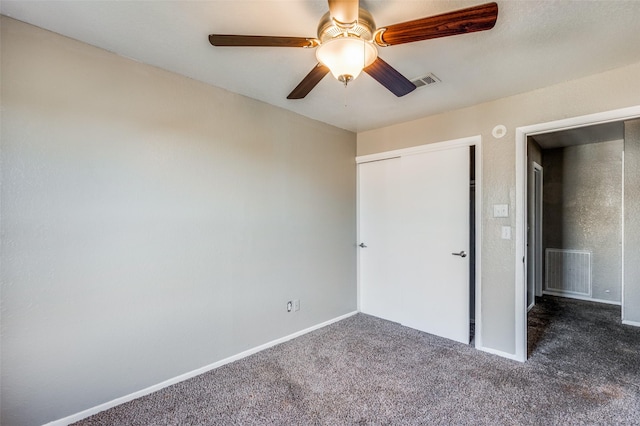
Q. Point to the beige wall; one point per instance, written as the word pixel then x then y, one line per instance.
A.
pixel 611 90
pixel 152 225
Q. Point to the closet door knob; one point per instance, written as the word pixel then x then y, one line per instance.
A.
pixel 461 254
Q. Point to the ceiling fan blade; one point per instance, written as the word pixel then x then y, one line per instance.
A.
pixel 261 41
pixel 386 75
pixel 477 18
pixel 344 11
pixel 309 82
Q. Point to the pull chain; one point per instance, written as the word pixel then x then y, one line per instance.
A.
pixel 345 97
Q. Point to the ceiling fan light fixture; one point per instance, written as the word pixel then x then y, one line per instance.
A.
pixel 348 36
pixel 346 56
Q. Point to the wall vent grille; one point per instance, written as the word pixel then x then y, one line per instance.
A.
pixel 568 272
pixel 426 80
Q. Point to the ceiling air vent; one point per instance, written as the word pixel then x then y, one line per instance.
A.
pixel 426 80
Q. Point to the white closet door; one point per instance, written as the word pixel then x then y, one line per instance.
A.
pixel 414 213
pixel 434 225
pixel 379 209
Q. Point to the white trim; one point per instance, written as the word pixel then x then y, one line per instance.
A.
pixel 478 260
pixel 146 391
pixel 579 297
pixel 358 241
pixel 499 353
pixel 521 163
pixel 622 240
pixel 580 121
pixel 538 234
pixel 438 146
pixel 633 323
pixel 521 249
pixel 454 143
pixel 533 230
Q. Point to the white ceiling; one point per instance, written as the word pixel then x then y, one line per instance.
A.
pixel 534 44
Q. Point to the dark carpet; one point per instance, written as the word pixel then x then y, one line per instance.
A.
pixel 584 368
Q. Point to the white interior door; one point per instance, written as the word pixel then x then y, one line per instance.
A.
pixel 379 261
pixel 423 217
pixel 435 224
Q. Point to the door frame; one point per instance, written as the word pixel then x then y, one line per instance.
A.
pixel 536 233
pixel 539 220
pixel 437 146
pixel 521 205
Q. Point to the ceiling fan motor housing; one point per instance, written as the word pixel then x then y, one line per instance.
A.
pixel 363 28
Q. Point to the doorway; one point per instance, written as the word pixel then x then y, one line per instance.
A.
pixel 414 263
pixel 522 267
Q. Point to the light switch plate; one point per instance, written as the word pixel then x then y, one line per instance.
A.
pixel 501 210
pixel 506 232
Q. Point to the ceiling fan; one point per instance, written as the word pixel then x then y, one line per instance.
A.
pixel 348 39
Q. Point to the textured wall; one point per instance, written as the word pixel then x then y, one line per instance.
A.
pixel 152 225
pixel 631 307
pixel 614 89
pixel 582 194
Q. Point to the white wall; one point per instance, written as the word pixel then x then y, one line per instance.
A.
pixel 152 224
pixel 611 90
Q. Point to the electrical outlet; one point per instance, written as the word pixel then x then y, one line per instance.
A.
pixel 296 304
pixel 289 306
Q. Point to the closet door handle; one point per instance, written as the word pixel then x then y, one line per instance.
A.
pixel 461 254
pixel 363 245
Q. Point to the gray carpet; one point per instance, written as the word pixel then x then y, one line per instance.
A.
pixel 584 368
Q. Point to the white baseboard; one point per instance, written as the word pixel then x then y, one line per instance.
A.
pixel 500 353
pixel 575 296
pixel 633 323
pixel 98 408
